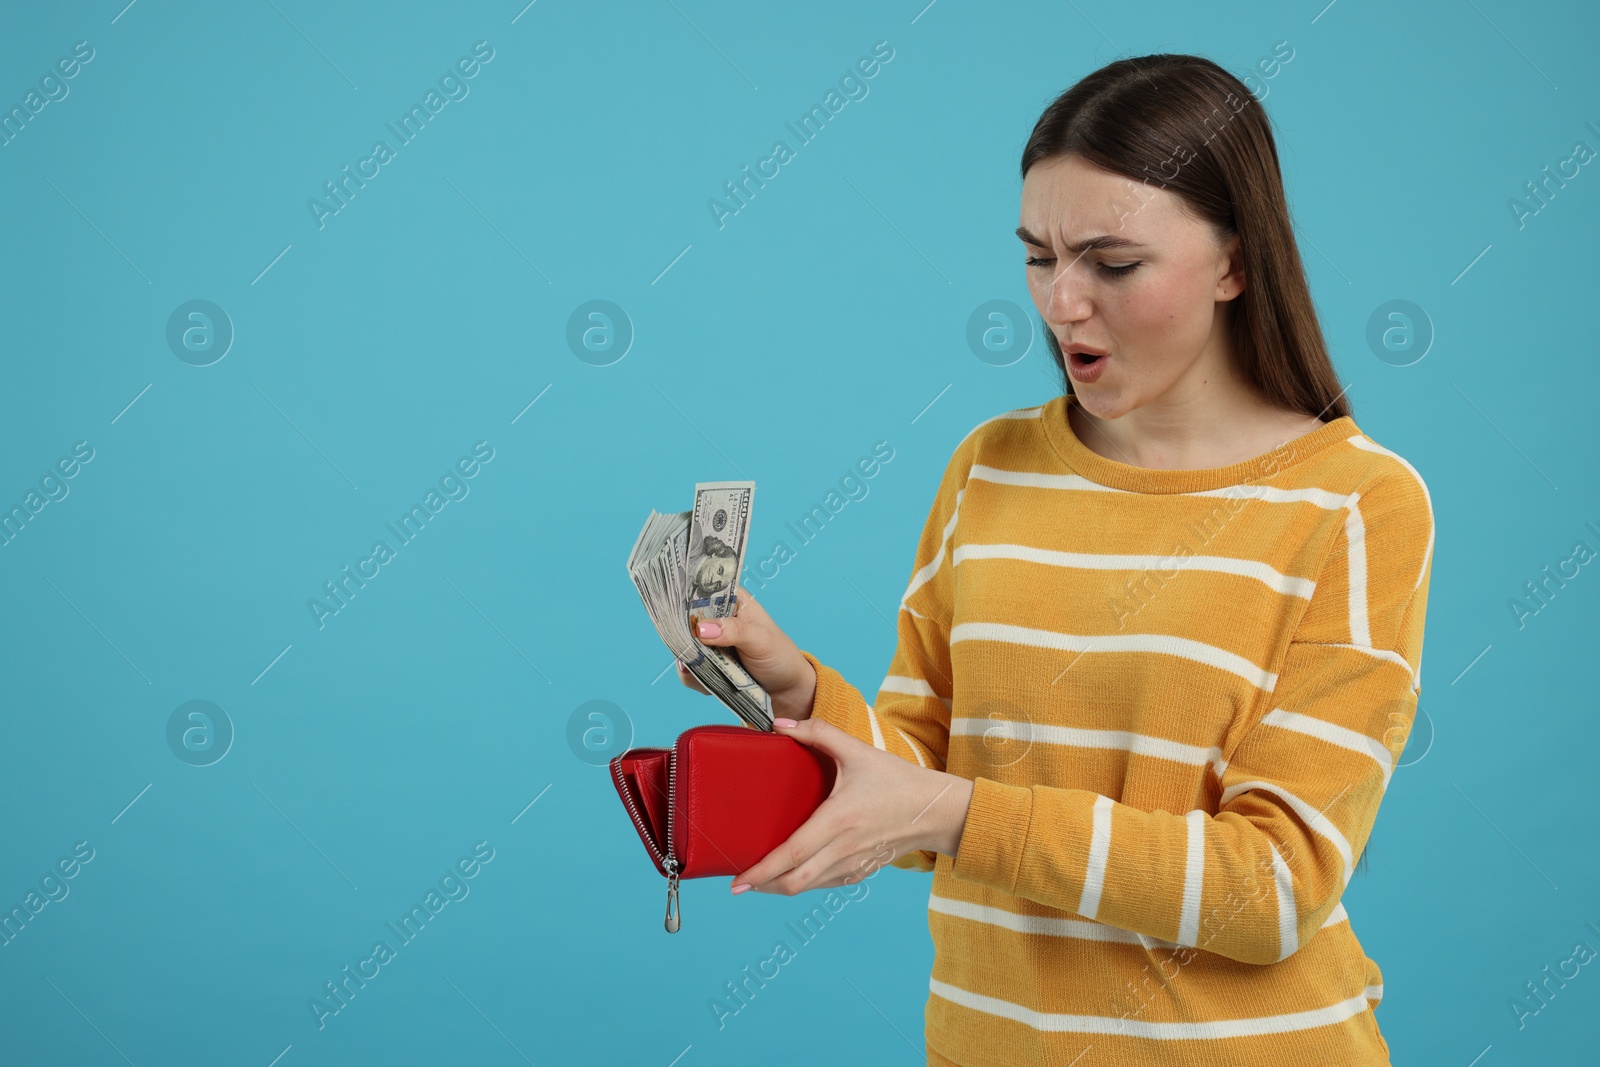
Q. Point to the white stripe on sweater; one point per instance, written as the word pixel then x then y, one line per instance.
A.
pixel 1037 479
pixel 929 569
pixel 1246 568
pixel 1322 498
pixel 1194 869
pixel 1308 815
pixel 916 750
pixel 1079 929
pixel 1288 918
pixel 1355 539
pixel 1082 737
pixel 1334 734
pixel 915 687
pixel 1014 413
pixel 1370 445
pixel 877 732
pixel 1051 1022
pixel 1164 644
pixel 1384 654
pixel 1099 848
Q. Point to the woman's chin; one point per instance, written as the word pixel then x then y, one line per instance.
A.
pixel 1101 403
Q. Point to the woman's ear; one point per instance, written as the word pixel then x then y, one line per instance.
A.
pixel 1230 264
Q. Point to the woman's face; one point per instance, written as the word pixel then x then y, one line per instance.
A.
pixel 1148 290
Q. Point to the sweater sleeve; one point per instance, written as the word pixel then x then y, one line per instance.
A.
pixel 1300 787
pixel 910 716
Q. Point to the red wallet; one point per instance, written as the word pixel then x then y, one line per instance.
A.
pixel 719 799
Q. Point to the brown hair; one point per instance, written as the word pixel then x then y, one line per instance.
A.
pixel 1186 125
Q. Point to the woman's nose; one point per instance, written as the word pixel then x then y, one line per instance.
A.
pixel 1069 301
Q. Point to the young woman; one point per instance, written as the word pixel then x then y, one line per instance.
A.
pixel 1160 647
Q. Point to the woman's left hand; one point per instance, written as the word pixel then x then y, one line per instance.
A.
pixel 881 807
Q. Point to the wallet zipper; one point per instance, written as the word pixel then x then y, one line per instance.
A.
pixel 671 862
pixel 668 861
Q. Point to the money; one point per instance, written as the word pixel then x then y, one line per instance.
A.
pixel 719 525
pixel 685 566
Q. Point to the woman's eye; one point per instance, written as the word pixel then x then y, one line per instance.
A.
pixel 1105 269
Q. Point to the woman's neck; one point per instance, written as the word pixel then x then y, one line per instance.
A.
pixel 1211 427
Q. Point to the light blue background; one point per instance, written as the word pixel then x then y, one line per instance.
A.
pixel 824 317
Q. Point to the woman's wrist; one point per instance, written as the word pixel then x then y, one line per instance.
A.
pixel 949 812
pixel 798 701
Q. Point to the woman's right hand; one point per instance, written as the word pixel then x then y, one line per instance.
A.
pixel 768 653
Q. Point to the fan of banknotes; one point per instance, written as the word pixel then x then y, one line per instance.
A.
pixel 686 565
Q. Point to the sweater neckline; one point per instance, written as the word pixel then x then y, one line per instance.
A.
pixel 1113 474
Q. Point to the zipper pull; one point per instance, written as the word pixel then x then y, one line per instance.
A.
pixel 672 897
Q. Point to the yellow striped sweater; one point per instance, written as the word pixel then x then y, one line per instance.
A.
pixel 1180 695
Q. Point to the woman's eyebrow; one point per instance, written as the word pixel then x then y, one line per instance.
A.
pixel 1104 240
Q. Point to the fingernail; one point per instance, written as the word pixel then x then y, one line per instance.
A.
pixel 740 887
pixel 710 629
pixel 784 722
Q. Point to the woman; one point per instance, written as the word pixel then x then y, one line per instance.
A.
pixel 1160 646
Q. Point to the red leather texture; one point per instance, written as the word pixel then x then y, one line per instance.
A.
pixel 640 774
pixel 740 793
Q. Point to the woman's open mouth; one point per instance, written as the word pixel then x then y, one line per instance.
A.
pixel 1086 367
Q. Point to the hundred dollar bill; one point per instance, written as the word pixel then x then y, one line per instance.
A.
pixel 719 526
pixel 660 568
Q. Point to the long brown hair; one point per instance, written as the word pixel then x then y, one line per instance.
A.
pixel 1182 123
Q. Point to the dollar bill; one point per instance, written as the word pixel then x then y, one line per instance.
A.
pixel 670 575
pixel 719 526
